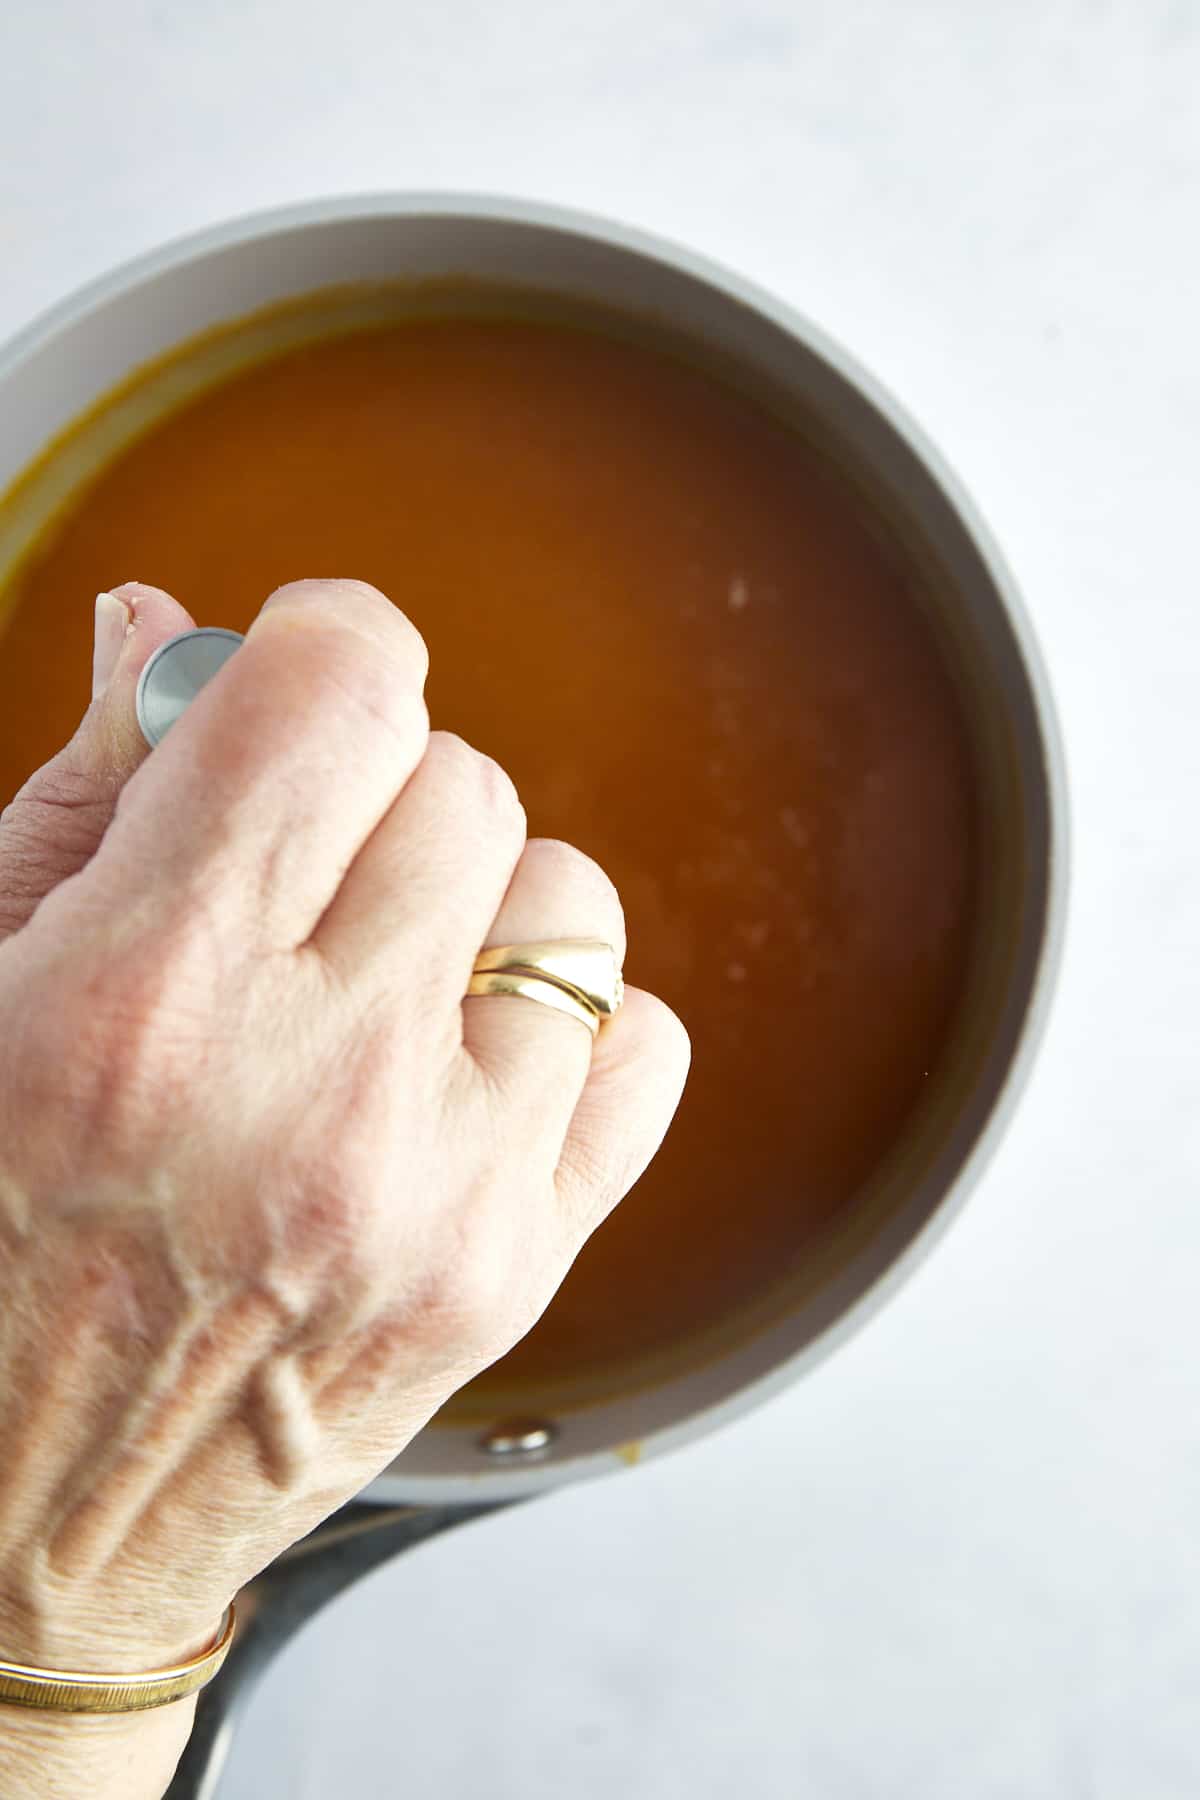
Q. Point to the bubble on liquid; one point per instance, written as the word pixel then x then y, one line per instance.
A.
pixel 739 594
pixel 795 828
pixel 735 971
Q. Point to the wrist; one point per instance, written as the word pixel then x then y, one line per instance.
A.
pixel 130 1755
pixel 72 1631
pixel 119 1756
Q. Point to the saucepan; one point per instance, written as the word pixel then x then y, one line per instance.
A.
pixel 453 1472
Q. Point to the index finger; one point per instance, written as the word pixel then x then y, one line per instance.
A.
pixel 263 793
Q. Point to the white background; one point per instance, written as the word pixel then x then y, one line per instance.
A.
pixel 962 1562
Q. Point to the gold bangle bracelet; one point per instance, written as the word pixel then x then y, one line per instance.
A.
pixel 66 1690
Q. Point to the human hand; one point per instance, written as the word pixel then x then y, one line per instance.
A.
pixel 270 1189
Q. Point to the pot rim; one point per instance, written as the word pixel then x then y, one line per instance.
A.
pixel 509 1482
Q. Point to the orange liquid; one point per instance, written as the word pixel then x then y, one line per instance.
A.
pixel 729 699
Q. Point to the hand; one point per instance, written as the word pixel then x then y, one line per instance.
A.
pixel 270 1189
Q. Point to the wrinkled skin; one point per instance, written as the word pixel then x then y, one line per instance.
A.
pixel 270 1190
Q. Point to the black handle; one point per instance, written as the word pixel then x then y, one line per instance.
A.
pixel 276 1603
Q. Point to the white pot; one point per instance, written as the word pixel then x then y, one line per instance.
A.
pixel 64 362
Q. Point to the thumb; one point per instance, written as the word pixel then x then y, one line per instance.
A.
pixel 54 825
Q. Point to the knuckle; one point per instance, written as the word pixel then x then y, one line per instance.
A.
pixel 579 879
pixel 409 647
pixel 500 792
pixel 569 864
pixel 314 591
pixel 475 782
pixel 357 606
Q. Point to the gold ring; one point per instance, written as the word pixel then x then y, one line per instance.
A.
pixel 534 987
pixel 579 976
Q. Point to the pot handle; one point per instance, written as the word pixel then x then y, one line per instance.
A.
pixel 350 1543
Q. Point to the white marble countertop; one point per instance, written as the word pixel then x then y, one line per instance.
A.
pixel 962 1562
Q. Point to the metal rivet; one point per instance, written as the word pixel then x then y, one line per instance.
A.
pixel 519 1437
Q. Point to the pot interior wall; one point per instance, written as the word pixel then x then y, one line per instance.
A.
pixel 347 271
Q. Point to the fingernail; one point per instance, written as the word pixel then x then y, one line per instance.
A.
pixel 113 619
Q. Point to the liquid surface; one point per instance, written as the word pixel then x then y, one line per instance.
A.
pixel 726 695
